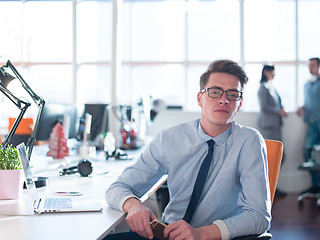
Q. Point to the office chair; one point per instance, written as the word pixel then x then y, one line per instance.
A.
pixel 274 155
pixel 23 132
pixel 25 126
pixel 313 166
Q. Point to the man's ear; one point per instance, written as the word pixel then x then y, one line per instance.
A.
pixel 199 99
pixel 240 104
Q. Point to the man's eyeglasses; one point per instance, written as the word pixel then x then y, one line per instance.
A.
pixel 232 95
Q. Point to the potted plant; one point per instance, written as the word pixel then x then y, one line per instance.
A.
pixel 11 178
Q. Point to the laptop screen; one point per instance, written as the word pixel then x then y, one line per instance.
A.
pixel 27 171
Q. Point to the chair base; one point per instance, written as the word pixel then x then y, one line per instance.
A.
pixel 263 236
pixel 309 195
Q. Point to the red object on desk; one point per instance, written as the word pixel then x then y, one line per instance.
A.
pixel 58 148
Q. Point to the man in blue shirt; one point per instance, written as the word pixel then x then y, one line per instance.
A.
pixel 311 113
pixel 235 200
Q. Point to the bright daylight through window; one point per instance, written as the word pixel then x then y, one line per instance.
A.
pixel 164 47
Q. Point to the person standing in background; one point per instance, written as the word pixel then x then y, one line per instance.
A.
pixel 311 113
pixel 271 109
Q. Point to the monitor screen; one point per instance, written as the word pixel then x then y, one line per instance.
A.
pixel 99 123
pixel 56 112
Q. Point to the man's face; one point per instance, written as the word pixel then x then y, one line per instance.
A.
pixel 219 113
pixel 313 67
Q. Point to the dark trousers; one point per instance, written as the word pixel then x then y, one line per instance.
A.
pixel 125 236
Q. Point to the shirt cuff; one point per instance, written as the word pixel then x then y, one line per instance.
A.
pixel 225 235
pixel 125 198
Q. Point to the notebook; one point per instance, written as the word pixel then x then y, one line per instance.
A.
pixel 52 204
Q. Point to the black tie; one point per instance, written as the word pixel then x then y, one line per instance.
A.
pixel 198 186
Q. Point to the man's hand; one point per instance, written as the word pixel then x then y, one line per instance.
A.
pixel 300 111
pixel 182 230
pixel 139 217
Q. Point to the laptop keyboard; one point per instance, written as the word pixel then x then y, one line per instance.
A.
pixel 58 203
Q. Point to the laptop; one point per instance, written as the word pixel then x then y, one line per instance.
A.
pixel 52 204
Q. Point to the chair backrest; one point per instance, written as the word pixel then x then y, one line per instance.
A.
pixel 23 132
pixel 274 155
pixel 25 127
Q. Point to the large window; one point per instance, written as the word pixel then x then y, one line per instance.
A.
pixel 168 44
pixel 94 51
pixel 270 38
pixel 63 48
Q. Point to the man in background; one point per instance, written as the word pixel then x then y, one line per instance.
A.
pixel 311 113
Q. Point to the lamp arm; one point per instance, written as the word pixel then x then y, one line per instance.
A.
pixel 23 106
pixel 16 101
pixel 38 100
pixel 32 139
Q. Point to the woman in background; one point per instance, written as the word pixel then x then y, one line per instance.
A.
pixel 271 109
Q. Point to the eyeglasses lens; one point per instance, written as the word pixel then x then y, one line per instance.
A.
pixel 231 94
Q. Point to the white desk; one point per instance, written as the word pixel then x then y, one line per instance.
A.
pixel 93 225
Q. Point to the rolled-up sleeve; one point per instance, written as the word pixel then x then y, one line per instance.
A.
pixel 136 179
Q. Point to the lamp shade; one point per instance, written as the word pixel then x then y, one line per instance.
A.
pixel 5 78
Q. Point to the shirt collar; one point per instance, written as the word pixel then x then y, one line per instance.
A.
pixel 314 78
pixel 220 139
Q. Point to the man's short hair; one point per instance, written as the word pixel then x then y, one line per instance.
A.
pixel 315 59
pixel 224 66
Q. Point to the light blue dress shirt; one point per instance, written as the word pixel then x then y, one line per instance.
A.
pixel 311 101
pixel 237 188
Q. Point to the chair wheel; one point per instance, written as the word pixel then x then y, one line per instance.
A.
pixel 300 203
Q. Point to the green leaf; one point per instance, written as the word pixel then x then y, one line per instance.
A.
pixel 9 158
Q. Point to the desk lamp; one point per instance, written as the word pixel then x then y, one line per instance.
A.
pixel 5 79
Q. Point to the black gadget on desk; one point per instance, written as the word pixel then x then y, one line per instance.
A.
pixel 39 182
pixel 99 122
pixel 84 168
pixel 119 155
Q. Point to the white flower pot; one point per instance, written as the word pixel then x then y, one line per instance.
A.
pixel 11 184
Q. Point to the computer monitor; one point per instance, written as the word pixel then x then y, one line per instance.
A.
pixel 54 113
pixel 99 123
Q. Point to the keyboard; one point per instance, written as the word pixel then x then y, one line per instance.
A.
pixel 57 203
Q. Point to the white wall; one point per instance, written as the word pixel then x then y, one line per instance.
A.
pixel 290 179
